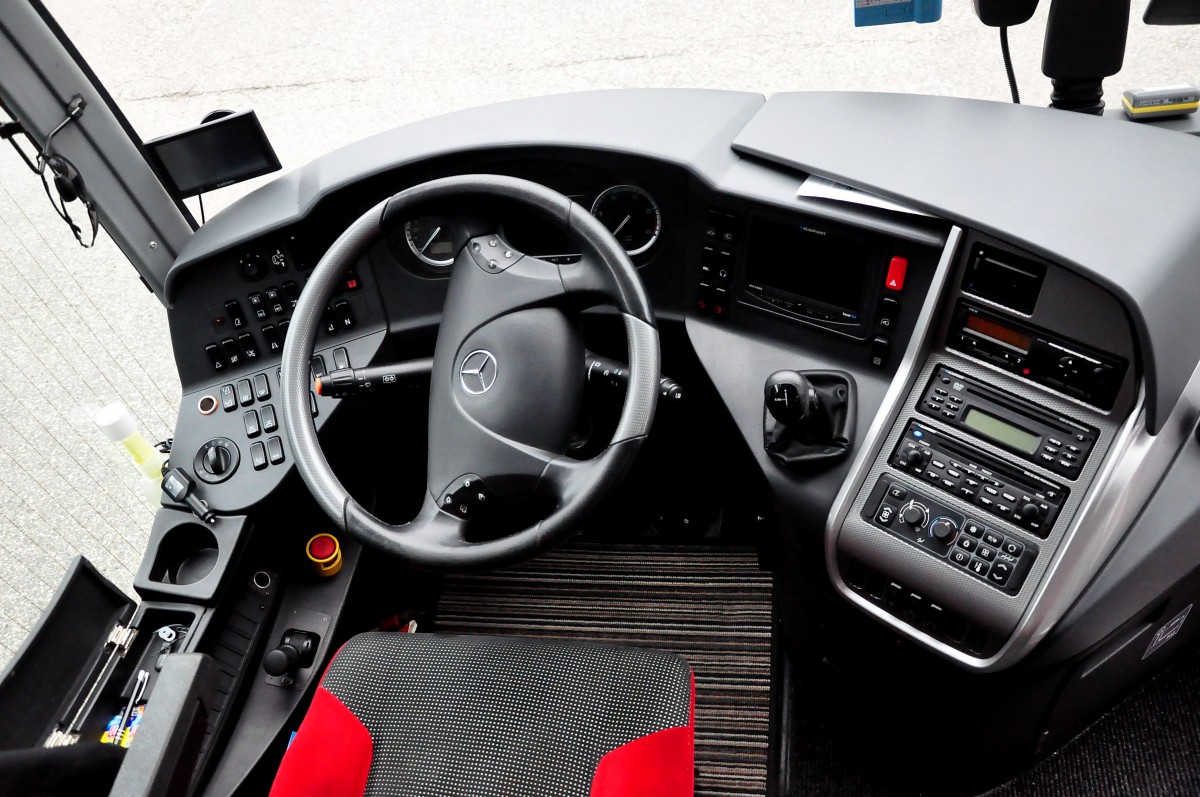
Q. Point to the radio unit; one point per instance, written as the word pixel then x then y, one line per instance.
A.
pixel 1034 354
pixel 1052 441
pixel 1016 495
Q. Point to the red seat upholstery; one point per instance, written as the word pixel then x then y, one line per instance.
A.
pixel 426 715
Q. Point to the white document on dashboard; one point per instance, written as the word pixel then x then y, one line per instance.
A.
pixel 815 187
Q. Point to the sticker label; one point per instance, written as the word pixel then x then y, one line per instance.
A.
pixel 1167 632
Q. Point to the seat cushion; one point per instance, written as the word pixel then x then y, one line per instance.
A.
pixel 427 715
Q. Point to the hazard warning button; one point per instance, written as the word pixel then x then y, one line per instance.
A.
pixel 895 273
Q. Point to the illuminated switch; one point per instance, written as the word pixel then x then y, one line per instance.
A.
pixel 897 270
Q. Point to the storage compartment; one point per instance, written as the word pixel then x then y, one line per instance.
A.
pixel 186 558
pixel 64 654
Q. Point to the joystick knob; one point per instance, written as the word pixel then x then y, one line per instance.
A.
pixel 1030 511
pixel 913 457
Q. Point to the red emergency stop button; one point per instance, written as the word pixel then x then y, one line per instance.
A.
pixel 897 269
pixel 324 554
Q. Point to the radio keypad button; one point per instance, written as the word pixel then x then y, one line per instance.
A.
pixel 985 501
pixel 949 414
pixel 991 490
pixel 954 474
pixel 1046 458
pixel 956 400
pixel 939 391
pixel 1050 449
pixel 966 492
pixel 937 463
pixel 1054 442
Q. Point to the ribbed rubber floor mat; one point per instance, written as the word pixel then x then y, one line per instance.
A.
pixel 710 605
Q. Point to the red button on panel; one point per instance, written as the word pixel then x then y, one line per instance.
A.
pixel 897 269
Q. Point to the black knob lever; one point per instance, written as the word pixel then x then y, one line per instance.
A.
pixel 790 397
pixel 296 651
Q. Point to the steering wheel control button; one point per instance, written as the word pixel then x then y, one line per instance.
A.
pixel 324 554
pixel 275 450
pixel 492 254
pixel 466 497
pixel 216 460
pixel 258 455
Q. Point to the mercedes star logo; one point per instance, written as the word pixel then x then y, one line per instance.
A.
pixel 478 372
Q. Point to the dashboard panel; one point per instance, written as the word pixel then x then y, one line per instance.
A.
pixel 1002 387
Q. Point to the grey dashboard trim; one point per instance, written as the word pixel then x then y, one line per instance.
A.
pixel 688 127
pixel 1128 476
pixel 986 165
pixel 873 440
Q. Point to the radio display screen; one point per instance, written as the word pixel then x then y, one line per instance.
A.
pixel 1002 431
pixel 804 262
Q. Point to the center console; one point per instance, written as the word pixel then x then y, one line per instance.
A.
pixel 972 489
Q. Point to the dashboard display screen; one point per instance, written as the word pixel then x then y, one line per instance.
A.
pixel 807 263
pixel 1002 431
pixel 999 332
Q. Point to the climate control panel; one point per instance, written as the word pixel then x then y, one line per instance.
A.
pixel 1001 559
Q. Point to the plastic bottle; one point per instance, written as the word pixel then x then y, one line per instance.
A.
pixel 117 423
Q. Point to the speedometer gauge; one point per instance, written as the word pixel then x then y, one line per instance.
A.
pixel 430 240
pixel 631 215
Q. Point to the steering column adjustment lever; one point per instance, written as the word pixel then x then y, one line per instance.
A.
pixel 604 372
pixel 346 382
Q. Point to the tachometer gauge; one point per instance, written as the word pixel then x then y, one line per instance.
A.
pixel 631 215
pixel 430 240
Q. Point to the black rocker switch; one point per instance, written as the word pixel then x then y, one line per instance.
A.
pixel 296 651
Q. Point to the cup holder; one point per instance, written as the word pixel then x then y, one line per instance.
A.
pixel 186 555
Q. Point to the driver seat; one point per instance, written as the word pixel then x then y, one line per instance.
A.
pixel 429 715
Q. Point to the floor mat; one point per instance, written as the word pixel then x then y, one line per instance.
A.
pixel 710 605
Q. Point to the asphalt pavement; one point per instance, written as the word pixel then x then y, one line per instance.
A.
pixel 78 328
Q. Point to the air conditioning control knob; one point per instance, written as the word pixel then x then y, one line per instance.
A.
pixel 943 529
pixel 914 514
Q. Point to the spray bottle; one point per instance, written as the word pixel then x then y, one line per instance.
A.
pixel 118 425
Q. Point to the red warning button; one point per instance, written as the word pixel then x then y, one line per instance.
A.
pixel 897 269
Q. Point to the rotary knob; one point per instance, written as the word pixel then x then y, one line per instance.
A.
pixel 913 457
pixel 943 529
pixel 1030 511
pixel 914 514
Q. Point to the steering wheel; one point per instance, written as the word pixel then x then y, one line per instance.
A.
pixel 507 380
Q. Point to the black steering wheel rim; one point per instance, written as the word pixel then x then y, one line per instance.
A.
pixel 512 291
